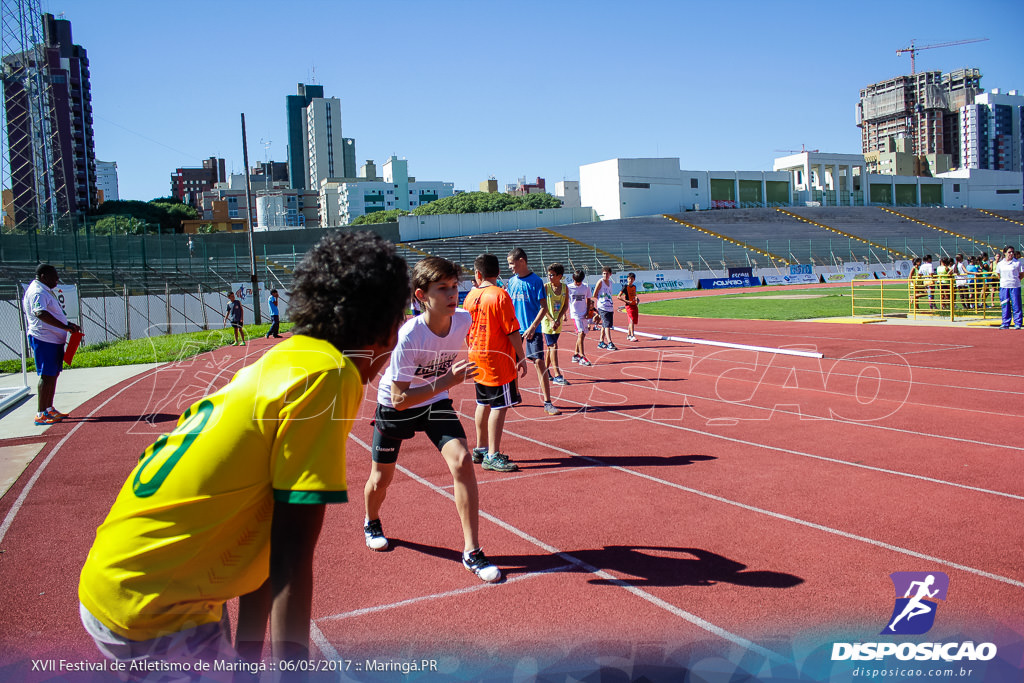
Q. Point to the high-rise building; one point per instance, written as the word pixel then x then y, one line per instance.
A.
pixel 992 132
pixel 316 148
pixel 188 184
pixel 106 181
pixel 924 108
pixel 66 127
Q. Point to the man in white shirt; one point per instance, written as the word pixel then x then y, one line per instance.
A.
pixel 47 331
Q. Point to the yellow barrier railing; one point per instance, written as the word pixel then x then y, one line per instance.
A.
pixel 975 299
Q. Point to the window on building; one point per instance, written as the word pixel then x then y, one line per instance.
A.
pixel 639 186
pixel 693 183
pixel 956 187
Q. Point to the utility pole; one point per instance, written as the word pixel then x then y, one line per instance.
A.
pixel 248 219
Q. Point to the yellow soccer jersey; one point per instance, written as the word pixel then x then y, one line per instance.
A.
pixel 190 528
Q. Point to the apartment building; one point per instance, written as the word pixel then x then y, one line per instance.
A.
pixel 342 200
pixel 992 132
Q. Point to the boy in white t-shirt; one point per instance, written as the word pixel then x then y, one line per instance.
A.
pixel 606 307
pixel 579 300
pixel 413 397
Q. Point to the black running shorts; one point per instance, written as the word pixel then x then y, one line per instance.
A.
pixel 391 427
pixel 505 396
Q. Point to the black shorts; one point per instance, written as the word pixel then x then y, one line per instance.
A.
pixel 504 396
pixel 391 427
pixel 237 324
pixel 606 319
pixel 535 347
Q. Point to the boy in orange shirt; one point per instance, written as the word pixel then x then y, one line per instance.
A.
pixel 496 347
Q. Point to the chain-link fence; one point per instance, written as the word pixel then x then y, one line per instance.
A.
pixel 121 315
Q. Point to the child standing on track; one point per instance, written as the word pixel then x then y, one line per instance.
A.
pixel 496 347
pixel 628 296
pixel 234 313
pixel 606 308
pixel 528 295
pixel 413 397
pixel 579 307
pixel 231 502
pixel 557 299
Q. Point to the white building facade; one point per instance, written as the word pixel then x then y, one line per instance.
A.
pixel 106 180
pixel 342 200
pixel 568 191
pixel 623 188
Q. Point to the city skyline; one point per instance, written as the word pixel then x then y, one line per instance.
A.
pixel 532 90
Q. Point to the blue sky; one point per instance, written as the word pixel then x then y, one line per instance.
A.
pixel 465 90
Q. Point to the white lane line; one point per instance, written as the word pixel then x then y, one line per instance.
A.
pixel 654 600
pixel 789 451
pixel 788 518
pixel 866 425
pixel 440 596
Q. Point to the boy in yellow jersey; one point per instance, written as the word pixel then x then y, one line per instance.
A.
pixel 230 503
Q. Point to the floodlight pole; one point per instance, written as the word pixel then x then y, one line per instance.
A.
pixel 249 231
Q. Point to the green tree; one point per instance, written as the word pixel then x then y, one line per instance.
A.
pixel 162 216
pixel 485 202
pixel 380 217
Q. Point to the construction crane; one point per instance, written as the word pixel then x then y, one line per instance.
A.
pixel 913 50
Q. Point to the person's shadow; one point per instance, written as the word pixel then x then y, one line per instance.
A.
pixel 677 567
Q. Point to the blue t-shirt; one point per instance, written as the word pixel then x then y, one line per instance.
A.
pixel 527 297
pixel 272 301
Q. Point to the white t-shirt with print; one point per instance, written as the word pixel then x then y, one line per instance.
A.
pixel 39 297
pixel 603 292
pixel 421 356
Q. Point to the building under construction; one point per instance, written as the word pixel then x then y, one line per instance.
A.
pixel 924 108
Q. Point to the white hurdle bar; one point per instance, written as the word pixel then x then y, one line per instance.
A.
pixel 726 345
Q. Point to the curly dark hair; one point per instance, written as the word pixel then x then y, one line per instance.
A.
pixel 350 289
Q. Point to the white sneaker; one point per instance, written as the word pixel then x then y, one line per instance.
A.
pixel 375 538
pixel 478 563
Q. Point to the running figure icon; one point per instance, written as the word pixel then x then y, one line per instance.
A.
pixel 916 605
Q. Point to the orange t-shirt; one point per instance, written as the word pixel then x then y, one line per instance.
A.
pixel 494 318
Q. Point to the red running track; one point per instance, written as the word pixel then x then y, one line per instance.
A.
pixel 692 508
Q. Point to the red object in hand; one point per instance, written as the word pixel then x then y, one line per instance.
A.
pixel 73 342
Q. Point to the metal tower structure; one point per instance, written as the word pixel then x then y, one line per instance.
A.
pixel 33 180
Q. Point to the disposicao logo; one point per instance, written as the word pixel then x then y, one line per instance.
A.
pixel 916 601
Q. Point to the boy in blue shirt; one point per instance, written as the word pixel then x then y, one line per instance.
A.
pixel 275 316
pixel 528 297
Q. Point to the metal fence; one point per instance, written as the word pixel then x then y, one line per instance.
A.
pixel 124 315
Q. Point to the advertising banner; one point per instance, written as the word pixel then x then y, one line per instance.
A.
pixel 801 269
pixel 659 280
pixel 847 277
pixel 727 282
pixel 799 279
pixel 741 272
pixel 899 270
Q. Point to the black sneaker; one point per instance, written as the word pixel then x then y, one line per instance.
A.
pixel 478 455
pixel 478 563
pixel 375 538
pixel 499 462
pixel 612 347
